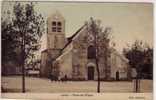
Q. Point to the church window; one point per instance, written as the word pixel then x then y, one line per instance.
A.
pixel 59 24
pixel 53 26
pixel 91 52
pixel 53 29
pixel 53 23
pixel 56 26
pixel 58 29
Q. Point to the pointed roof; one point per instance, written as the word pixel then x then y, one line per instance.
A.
pixel 56 15
pixel 71 37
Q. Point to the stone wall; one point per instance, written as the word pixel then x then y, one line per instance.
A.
pixel 43 68
pixel 64 62
pixel 80 57
pixel 120 64
pixel 47 58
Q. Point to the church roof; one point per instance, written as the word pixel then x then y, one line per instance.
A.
pixel 56 15
pixel 71 37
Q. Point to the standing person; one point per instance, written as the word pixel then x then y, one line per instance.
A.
pixel 65 78
pixel 117 76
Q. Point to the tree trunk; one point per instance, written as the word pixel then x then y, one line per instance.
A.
pixel 137 83
pixel 23 79
pixel 136 87
pixel 23 64
pixel 98 74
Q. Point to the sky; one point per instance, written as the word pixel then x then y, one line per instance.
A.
pixel 129 21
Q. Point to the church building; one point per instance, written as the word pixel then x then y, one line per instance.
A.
pixel 74 57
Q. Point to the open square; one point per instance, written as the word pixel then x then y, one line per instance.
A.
pixel 39 85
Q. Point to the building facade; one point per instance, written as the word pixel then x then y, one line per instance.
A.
pixel 74 57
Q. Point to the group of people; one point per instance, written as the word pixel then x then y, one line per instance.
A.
pixel 57 78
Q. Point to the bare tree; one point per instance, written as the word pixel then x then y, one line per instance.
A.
pixel 101 39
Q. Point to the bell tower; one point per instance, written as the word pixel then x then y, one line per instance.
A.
pixel 55 43
pixel 55 31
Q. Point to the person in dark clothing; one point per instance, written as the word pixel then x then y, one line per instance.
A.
pixel 65 78
pixel 117 76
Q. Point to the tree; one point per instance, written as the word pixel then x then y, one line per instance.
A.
pixel 101 43
pixel 147 65
pixel 135 54
pixel 25 30
pixel 140 56
pixel 33 63
pixel 8 43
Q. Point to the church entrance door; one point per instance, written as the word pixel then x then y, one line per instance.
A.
pixel 90 73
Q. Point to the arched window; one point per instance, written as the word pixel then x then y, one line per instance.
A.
pixel 91 52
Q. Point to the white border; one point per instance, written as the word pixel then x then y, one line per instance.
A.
pixel 139 1
pixel 38 96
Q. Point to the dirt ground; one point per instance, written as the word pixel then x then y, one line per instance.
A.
pixel 39 85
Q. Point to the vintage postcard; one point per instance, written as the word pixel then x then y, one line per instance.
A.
pixel 77 50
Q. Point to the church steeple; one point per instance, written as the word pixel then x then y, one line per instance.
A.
pixel 56 31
